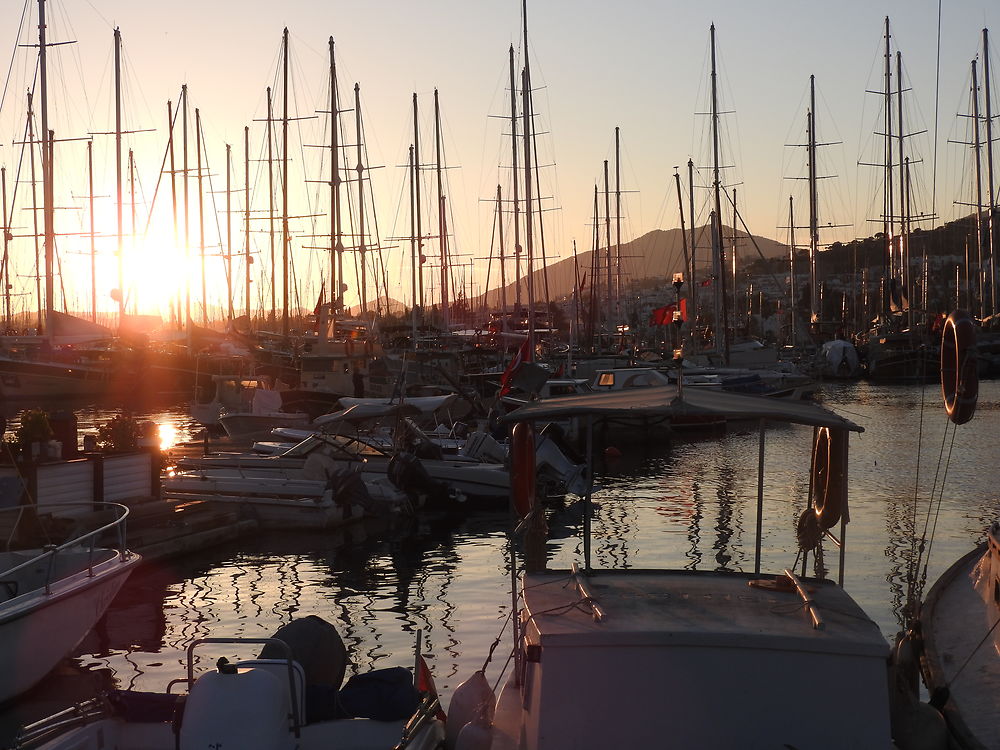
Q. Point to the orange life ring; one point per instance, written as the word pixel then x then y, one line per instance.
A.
pixel 959 367
pixel 829 477
pixel 522 468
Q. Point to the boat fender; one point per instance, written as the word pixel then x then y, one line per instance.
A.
pixel 522 468
pixel 472 702
pixel 959 367
pixel 829 477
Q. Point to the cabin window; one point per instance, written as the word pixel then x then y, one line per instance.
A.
pixel 607 379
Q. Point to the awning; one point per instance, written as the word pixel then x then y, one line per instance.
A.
pixel 360 412
pixel 664 401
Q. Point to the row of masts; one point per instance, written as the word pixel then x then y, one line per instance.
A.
pixel 45 278
pixel 980 280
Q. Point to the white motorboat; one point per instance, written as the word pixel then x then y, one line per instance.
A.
pixel 287 698
pixel 706 659
pixel 317 493
pixel 476 474
pixel 52 594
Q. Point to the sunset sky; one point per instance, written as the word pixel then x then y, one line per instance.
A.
pixel 642 66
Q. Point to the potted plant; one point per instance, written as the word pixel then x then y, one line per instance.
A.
pixel 121 433
pixel 33 434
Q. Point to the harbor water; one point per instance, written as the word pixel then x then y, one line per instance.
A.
pixel 690 505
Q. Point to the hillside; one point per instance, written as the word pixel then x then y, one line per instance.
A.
pixel 655 255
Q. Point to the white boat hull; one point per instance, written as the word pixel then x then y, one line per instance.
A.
pixel 39 629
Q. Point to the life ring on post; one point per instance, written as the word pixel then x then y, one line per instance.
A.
pixel 959 367
pixel 829 477
pixel 522 468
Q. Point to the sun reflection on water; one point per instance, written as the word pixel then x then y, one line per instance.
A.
pixel 168 436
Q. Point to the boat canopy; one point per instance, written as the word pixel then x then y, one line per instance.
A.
pixel 360 412
pixel 662 401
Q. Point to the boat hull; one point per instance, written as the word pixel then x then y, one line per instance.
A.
pixel 957 618
pixel 34 380
pixel 39 629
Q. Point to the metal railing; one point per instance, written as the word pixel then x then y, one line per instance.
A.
pixel 51 552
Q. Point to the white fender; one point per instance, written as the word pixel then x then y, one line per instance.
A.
pixel 472 702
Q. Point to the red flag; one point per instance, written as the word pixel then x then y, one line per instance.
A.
pixel 662 316
pixel 706 282
pixel 425 684
pixel 521 355
pixel 684 309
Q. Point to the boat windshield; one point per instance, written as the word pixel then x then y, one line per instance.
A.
pixel 335 446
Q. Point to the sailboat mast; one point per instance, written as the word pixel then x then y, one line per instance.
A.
pixel 609 291
pixel 618 221
pixel 414 250
pixel 336 225
pixel 248 260
pixel 201 217
pixel 528 136
pixel 131 200
pixel 270 203
pixel 173 189
pixel 442 232
pixel 503 262
pixel 187 215
pixel 41 320
pixel 362 245
pixel 229 230
pixel 813 203
pixel 888 226
pixel 991 218
pixel 721 304
pixel 732 264
pixel 416 206
pixel 284 184
pixel 118 173
pixel 48 200
pixel 977 151
pixel 93 238
pixel 514 180
pixel 792 311
pixel 694 290
pixel 904 216
pixel 594 309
